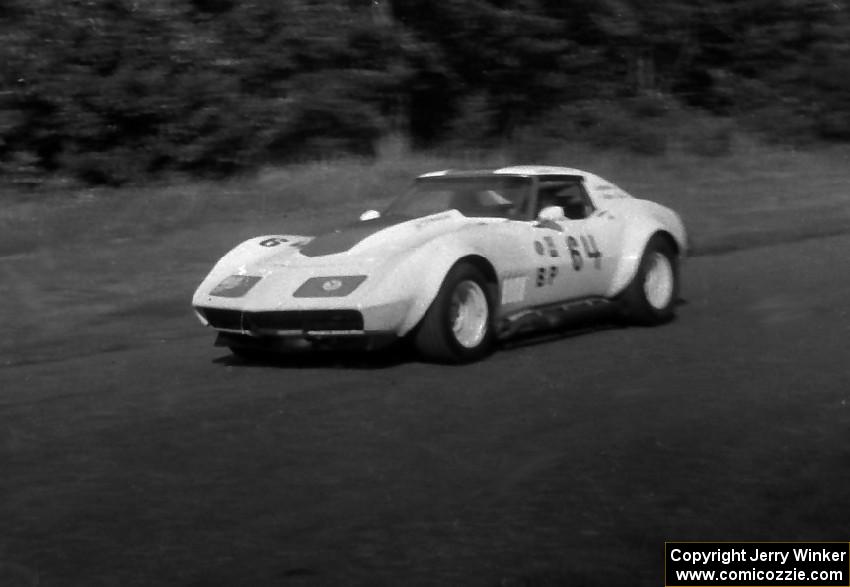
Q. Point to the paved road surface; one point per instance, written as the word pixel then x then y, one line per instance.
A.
pixel 565 462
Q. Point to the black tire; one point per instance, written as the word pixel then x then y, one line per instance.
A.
pixel 436 338
pixel 642 303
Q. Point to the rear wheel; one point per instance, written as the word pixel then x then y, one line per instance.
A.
pixel 457 328
pixel 651 296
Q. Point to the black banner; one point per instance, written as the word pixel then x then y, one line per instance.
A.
pixel 757 564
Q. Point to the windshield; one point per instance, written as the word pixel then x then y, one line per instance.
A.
pixel 490 196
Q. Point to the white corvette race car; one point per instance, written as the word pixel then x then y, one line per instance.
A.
pixel 464 258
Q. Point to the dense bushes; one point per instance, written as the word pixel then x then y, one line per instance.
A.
pixel 116 90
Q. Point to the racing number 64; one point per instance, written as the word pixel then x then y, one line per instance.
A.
pixel 591 251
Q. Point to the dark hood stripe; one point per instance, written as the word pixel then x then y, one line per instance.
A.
pixel 346 238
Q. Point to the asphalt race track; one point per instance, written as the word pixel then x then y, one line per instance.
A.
pixel 567 460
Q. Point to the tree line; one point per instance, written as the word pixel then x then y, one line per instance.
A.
pixel 117 90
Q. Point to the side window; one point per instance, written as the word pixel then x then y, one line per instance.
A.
pixel 486 203
pixel 569 195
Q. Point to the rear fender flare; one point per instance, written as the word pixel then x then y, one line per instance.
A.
pixel 633 249
pixel 651 219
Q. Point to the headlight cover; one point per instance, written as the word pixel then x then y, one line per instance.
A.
pixel 235 286
pixel 332 286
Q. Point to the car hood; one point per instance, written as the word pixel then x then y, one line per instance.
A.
pixel 368 242
pixel 364 252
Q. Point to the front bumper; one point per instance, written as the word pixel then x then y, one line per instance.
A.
pixel 367 341
pixel 284 322
pixel 306 323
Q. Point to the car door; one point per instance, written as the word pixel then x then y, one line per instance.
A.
pixel 531 259
pixel 548 266
pixel 586 239
pixel 593 245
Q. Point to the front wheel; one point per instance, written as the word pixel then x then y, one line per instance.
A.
pixel 651 296
pixel 458 326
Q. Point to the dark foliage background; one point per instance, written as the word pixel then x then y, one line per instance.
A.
pixel 110 91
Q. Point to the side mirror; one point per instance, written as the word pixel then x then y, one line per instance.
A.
pixel 369 215
pixel 551 214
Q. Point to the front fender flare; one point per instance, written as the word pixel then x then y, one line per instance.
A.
pixel 255 249
pixel 249 251
pixel 424 271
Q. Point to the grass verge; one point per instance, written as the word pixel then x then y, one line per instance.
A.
pixel 89 270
